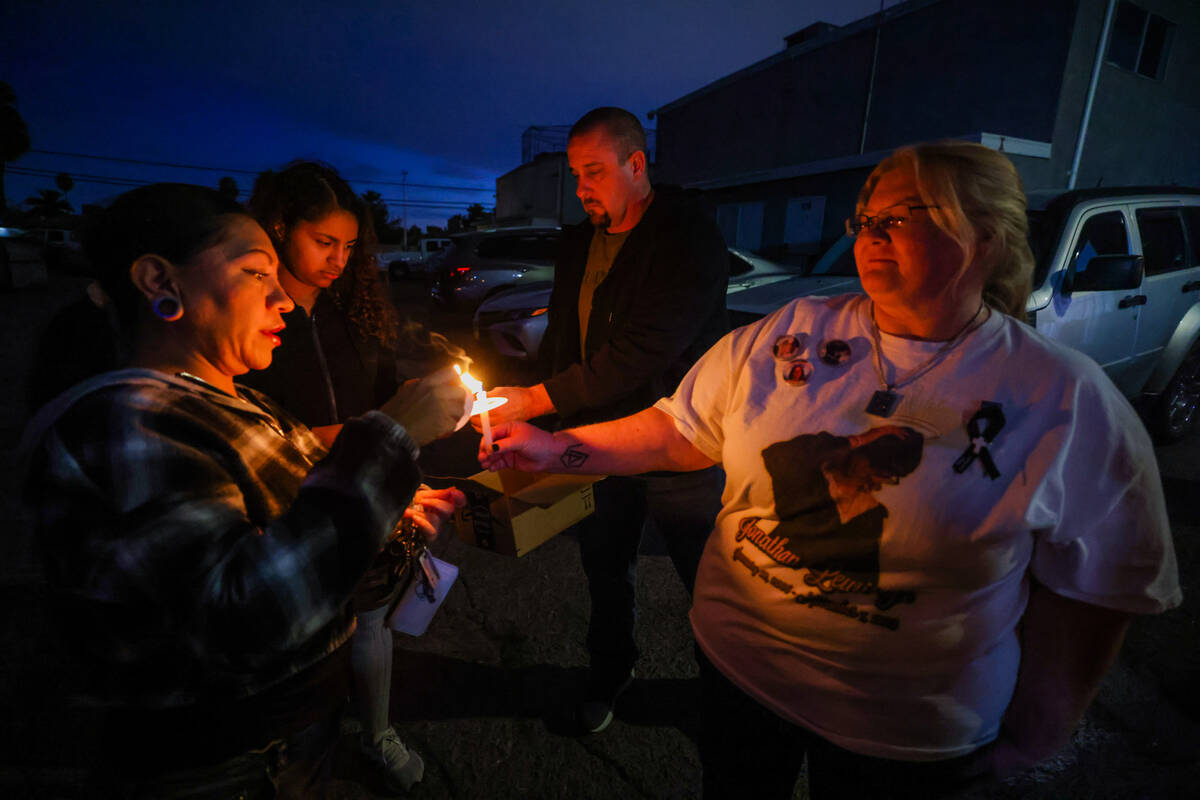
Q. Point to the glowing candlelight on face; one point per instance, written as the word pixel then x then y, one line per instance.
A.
pixel 481 403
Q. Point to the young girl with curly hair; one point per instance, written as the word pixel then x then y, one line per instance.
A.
pixel 338 360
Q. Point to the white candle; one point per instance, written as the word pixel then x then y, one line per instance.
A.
pixel 481 402
pixel 481 398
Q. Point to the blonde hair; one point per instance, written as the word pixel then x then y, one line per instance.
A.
pixel 979 198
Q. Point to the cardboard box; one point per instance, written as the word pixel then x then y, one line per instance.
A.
pixel 512 512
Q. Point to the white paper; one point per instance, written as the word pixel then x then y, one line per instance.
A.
pixel 414 613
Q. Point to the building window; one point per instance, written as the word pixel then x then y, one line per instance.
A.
pixel 802 223
pixel 742 224
pixel 1163 245
pixel 1139 41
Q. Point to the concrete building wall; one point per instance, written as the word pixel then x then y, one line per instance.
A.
pixel 969 66
pixel 1142 130
pixel 793 109
pixel 785 133
pixel 945 68
pixel 539 192
pixel 834 191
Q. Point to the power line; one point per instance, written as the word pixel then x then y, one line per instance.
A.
pixel 112 180
pixel 143 162
pixel 34 173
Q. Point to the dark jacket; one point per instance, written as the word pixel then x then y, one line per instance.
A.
pixel 324 372
pixel 199 550
pixel 660 308
pixel 167 512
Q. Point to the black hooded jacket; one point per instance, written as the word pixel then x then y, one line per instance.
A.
pixel 660 308
pixel 324 372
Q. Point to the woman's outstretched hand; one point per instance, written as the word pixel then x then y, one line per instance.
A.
pixel 520 446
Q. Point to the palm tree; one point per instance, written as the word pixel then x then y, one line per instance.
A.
pixel 476 214
pixel 228 187
pixel 47 203
pixel 378 210
pixel 65 184
pixel 14 134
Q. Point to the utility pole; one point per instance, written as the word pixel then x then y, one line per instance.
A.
pixel 404 202
pixel 862 142
pixel 1091 94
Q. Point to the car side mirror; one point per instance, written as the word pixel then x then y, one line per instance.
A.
pixel 1108 274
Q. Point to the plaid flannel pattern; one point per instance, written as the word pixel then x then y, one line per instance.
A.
pixel 205 546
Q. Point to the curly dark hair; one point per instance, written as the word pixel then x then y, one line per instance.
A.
pixel 311 191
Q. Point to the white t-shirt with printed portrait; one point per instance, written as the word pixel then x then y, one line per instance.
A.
pixel 866 574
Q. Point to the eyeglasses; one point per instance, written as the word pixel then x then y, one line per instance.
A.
pixel 895 217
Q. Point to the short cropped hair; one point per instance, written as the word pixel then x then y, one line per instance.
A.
pixel 626 132
pixel 979 196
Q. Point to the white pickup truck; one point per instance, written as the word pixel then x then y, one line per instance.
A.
pixel 406 262
pixel 1117 277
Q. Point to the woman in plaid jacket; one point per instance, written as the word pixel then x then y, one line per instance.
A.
pixel 202 542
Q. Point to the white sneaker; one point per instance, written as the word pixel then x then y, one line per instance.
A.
pixel 398 766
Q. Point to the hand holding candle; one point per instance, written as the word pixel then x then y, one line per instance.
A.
pixel 523 403
pixel 430 407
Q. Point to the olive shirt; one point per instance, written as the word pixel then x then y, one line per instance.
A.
pixel 601 253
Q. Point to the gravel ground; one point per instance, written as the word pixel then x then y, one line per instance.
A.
pixel 481 694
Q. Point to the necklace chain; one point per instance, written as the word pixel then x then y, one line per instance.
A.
pixel 929 363
pixel 267 417
pixel 197 379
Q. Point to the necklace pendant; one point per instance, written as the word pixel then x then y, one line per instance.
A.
pixel 883 403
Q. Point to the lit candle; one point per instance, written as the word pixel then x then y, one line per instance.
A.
pixel 481 403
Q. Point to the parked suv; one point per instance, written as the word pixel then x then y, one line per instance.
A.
pixel 1117 277
pixel 476 265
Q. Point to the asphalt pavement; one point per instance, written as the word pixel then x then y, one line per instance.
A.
pixel 481 694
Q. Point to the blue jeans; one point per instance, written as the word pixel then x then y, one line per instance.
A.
pixel 371 664
pixel 683 507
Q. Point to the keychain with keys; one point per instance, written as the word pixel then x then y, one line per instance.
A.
pixel 428 576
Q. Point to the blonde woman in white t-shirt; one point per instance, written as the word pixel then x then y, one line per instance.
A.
pixel 934 530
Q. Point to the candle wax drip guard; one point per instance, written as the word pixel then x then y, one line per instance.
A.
pixel 480 406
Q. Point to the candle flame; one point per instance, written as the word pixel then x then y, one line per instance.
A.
pixel 470 381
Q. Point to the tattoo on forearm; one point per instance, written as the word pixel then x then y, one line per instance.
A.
pixel 573 457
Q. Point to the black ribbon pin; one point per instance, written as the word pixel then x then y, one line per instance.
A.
pixel 982 428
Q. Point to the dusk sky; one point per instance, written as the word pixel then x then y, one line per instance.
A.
pixel 440 89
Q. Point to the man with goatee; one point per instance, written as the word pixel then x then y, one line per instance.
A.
pixel 639 295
